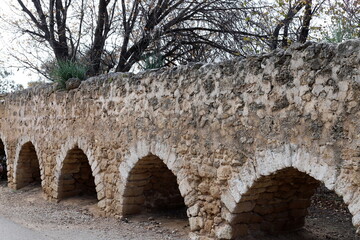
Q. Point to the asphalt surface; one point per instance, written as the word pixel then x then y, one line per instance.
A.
pixel 13 231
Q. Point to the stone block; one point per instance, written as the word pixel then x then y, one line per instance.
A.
pixel 228 201
pixel 193 210
pixel 185 187
pixel 215 191
pixel 208 226
pixel 71 168
pixel 247 206
pixel 223 172
pixel 196 223
pixel 133 191
pixel 67 187
pixel 224 231
pixel 139 200
pixel 130 209
pixel 228 216
pixel 109 193
pixel 66 182
pixel 100 194
pixel 190 199
pixel 139 176
pixel 241 230
pixel 249 217
pixel 48 170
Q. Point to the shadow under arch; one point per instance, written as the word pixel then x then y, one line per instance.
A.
pixel 27 166
pixel 76 177
pixel 3 163
pixel 271 193
pixel 274 204
pixel 151 186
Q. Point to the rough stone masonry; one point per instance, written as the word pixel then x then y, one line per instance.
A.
pixel 241 144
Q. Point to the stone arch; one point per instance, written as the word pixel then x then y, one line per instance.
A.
pixel 27 165
pixel 3 160
pixel 77 171
pixel 76 176
pixel 272 192
pixel 152 171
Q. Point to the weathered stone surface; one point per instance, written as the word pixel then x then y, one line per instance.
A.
pixel 251 137
pixel 72 83
pixel 224 232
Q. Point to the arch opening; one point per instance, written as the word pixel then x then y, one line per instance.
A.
pixel 76 177
pixel 279 204
pixel 28 168
pixel 152 188
pixel 3 166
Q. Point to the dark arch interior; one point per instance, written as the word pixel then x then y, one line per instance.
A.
pixel 3 166
pixel 76 177
pixel 277 205
pixel 152 187
pixel 28 170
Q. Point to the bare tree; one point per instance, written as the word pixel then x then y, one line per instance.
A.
pixel 116 35
pixel 301 29
pixel 352 10
pixel 50 23
pixel 51 26
pixel 103 27
pixel 177 30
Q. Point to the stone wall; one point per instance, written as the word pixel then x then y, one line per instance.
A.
pixel 224 136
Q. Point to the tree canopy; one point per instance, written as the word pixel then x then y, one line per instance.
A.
pixel 120 35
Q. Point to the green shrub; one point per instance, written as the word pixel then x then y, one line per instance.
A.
pixel 64 70
pixel 339 32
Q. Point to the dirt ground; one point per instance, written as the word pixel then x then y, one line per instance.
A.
pixel 329 218
pixel 78 218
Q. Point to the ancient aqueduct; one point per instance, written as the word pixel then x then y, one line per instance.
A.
pixel 243 144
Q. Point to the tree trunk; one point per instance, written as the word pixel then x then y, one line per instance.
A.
pixel 306 23
pixel 100 36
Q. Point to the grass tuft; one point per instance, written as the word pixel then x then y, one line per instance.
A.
pixel 64 70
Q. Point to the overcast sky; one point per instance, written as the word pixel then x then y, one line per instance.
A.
pixel 8 41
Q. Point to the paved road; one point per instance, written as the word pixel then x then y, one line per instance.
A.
pixel 13 231
pixel 10 230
